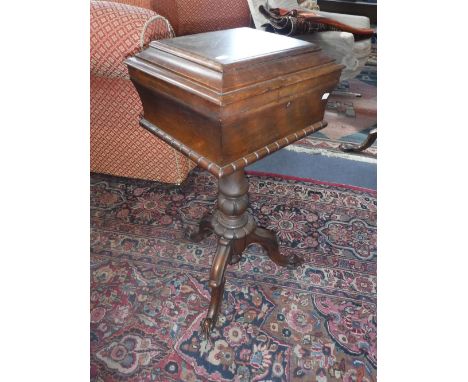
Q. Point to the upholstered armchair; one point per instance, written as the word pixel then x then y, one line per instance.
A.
pixel 119 146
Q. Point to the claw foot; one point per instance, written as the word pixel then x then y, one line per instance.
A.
pixel 294 261
pixel 206 325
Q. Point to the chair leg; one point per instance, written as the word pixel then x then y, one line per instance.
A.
pixel 267 239
pixel 371 138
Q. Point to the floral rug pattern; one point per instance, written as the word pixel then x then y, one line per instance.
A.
pixel 149 285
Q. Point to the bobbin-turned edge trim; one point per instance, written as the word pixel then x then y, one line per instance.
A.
pixel 238 164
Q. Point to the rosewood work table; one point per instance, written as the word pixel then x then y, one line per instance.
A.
pixel 226 99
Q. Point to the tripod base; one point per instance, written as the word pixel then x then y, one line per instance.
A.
pixel 236 230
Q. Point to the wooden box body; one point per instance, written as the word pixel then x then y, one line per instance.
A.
pixel 227 94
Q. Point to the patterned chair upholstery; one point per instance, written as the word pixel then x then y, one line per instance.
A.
pixel 197 16
pixel 119 146
pixel 120 29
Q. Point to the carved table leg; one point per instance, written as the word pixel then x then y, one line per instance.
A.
pixel 370 139
pixel 238 247
pixel 267 239
pixel 204 229
pixel 236 229
pixel 221 259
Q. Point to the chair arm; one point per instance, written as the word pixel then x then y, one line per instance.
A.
pixel 137 3
pixel 119 31
pixel 351 20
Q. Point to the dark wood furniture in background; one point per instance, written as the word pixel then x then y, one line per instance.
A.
pixel 350 7
pixel 226 99
pixel 355 148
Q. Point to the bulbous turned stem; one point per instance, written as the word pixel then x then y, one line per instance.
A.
pixel 231 220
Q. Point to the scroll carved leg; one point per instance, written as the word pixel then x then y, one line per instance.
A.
pixel 205 228
pixel 217 280
pixel 371 138
pixel 267 239
pixel 238 247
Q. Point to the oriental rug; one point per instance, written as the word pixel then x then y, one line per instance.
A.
pixel 149 285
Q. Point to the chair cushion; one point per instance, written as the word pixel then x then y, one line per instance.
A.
pixel 342 47
pixel 353 20
pixel 197 16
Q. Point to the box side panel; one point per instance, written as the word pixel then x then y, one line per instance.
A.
pixel 193 122
pixel 247 127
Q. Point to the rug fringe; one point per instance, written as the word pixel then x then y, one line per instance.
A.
pixel 328 153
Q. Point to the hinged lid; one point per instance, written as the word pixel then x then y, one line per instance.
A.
pixel 214 64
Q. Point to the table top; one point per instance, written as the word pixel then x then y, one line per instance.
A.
pixel 227 47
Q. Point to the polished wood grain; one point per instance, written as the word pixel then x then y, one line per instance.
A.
pixel 243 161
pixel 227 99
pixel 227 94
pixel 232 48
